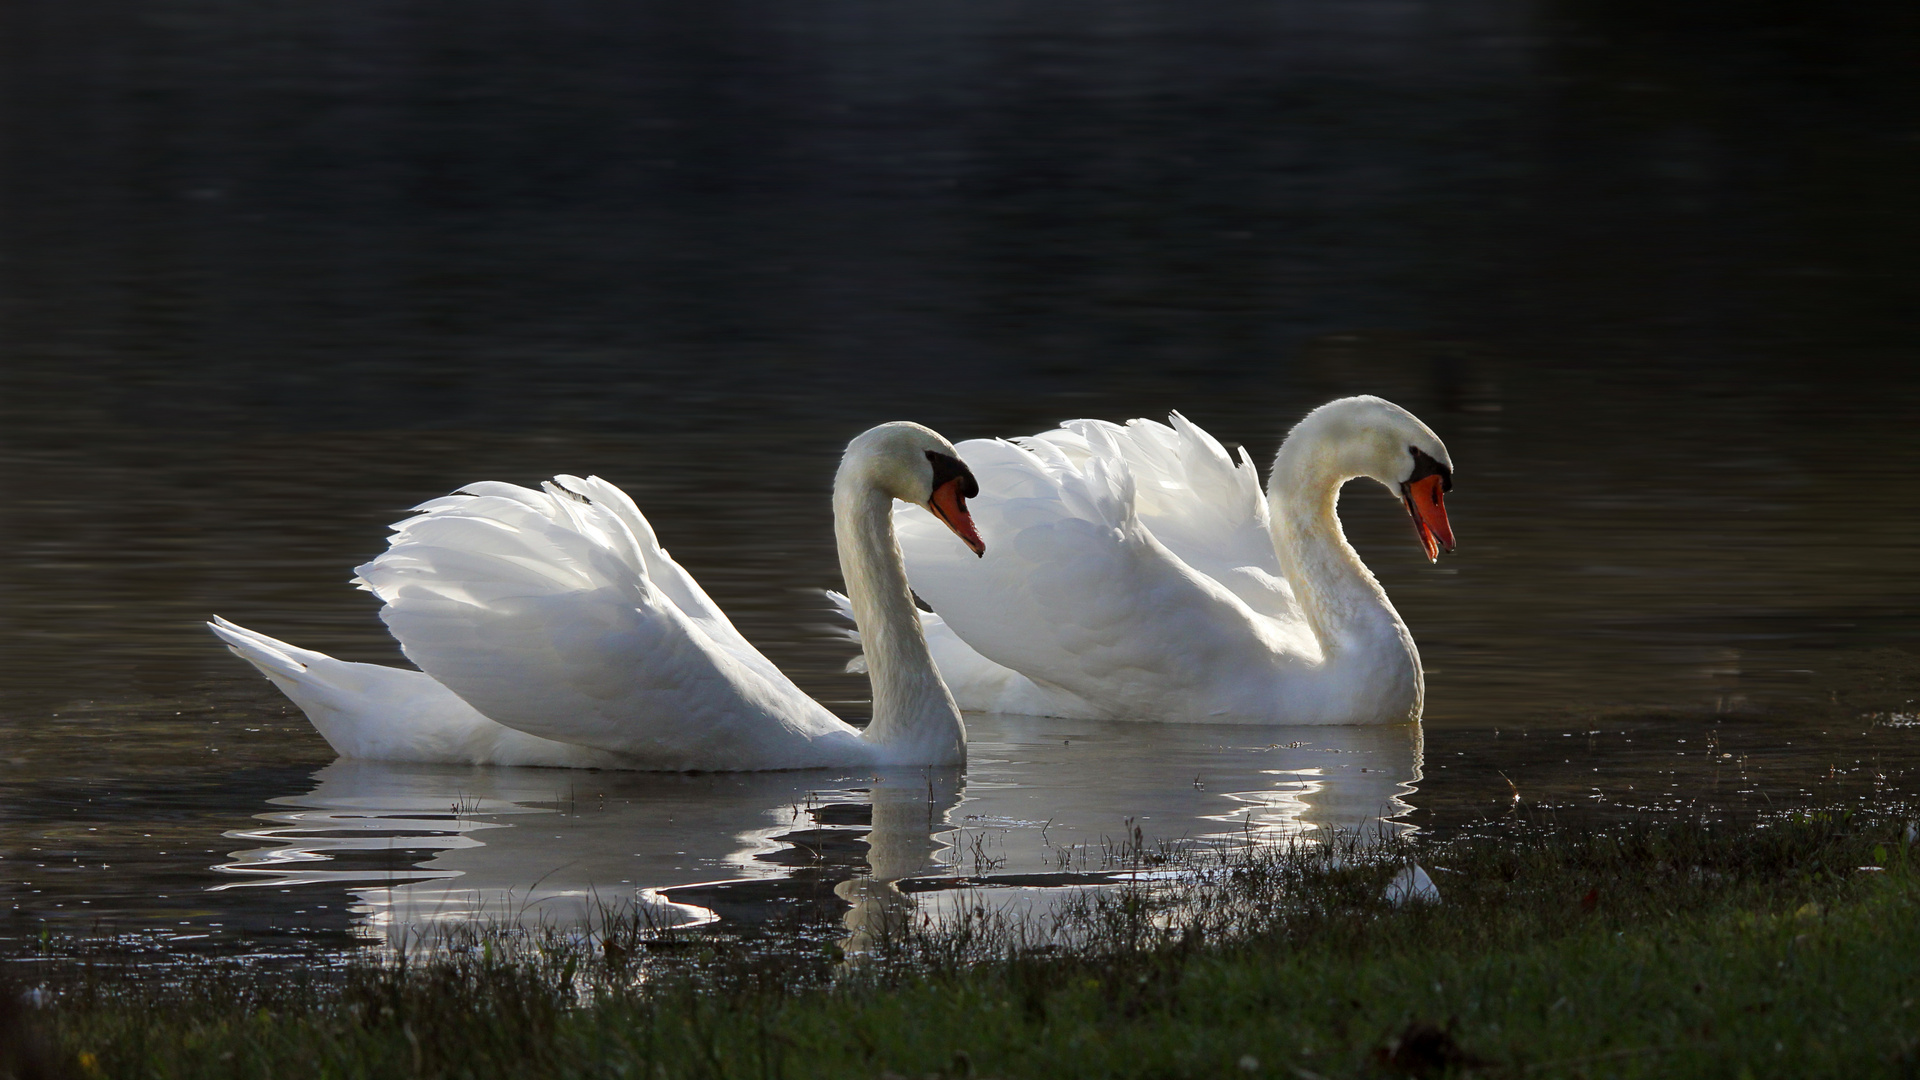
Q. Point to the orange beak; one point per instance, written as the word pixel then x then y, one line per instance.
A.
pixel 951 507
pixel 1429 515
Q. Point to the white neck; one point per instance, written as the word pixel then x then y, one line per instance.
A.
pixel 1345 606
pixel 913 714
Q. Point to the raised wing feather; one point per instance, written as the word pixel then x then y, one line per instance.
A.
pixel 1075 590
pixel 556 612
pixel 1203 504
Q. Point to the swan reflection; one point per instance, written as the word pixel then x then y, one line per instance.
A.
pixel 1045 805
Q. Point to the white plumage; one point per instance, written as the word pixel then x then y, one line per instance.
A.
pixel 1138 573
pixel 551 628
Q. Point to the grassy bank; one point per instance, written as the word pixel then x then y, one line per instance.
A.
pixel 1682 950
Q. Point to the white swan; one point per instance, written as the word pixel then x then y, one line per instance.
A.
pixel 552 629
pixel 1138 574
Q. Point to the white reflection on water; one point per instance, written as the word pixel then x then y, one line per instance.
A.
pixel 423 848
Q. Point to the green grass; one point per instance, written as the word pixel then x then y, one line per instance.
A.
pixel 1677 950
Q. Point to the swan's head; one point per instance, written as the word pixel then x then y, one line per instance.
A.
pixel 917 465
pixel 1374 437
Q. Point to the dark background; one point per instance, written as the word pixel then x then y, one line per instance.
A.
pixel 270 272
pixel 355 215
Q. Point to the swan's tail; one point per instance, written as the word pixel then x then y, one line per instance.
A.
pixel 277 660
pixel 381 713
pixel 340 698
pixel 977 683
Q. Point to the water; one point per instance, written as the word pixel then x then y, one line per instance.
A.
pixel 271 274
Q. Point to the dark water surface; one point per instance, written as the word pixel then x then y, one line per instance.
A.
pixel 270 273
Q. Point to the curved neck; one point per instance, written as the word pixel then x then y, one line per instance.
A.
pixel 1345 606
pixel 912 709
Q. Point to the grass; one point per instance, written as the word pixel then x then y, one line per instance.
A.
pixel 1686 949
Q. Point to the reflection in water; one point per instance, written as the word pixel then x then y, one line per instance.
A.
pixel 423 847
pixel 1046 808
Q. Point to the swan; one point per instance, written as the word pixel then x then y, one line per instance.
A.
pixel 1138 574
pixel 552 629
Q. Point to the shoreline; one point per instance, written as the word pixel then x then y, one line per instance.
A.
pixel 1646 950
